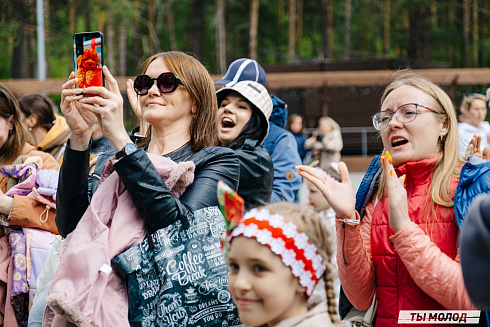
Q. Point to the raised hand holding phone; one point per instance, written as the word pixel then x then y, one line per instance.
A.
pixel 88 50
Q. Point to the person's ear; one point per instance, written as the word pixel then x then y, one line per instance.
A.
pixel 300 288
pixel 194 110
pixel 445 128
pixel 31 121
pixel 11 123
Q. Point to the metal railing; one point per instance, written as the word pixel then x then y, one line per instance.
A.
pixel 366 136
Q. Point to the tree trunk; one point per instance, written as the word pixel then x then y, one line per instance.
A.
pixel 171 26
pixel 324 29
pixel 327 30
pixel 137 41
pixel 347 25
pixel 466 32
pixel 20 67
pixel 46 34
pixel 100 20
pixel 122 46
pixel 279 26
pixel 386 26
pixel 88 15
pixel 292 30
pixel 152 34
pixel 72 16
pixel 196 27
pixel 330 27
pixel 299 27
pixel 475 33
pixel 220 36
pixel 254 22
pixel 483 57
pixel 419 37
pixel 109 43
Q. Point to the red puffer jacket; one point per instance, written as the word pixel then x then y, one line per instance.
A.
pixel 415 269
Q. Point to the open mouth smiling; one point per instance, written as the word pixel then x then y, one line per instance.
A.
pixel 227 123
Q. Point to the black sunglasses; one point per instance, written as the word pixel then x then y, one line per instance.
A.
pixel 166 82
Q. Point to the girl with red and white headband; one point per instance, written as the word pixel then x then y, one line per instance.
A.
pixel 277 254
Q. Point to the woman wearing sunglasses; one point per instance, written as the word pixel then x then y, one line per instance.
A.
pixel 177 99
pixel 398 239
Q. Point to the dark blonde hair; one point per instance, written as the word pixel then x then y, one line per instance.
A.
pixel 468 100
pixel 199 85
pixel 335 126
pixel 448 161
pixel 308 222
pixel 9 108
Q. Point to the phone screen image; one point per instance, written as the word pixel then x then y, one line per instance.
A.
pixel 89 59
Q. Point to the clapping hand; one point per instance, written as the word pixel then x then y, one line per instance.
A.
pixel 474 146
pixel 397 195
pixel 341 196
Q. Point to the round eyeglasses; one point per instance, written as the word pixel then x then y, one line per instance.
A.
pixel 166 82
pixel 404 114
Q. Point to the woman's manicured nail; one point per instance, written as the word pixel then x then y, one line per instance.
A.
pixel 391 172
pixel 389 157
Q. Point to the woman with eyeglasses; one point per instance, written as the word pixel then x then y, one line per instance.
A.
pixel 474 111
pixel 397 240
pixel 177 100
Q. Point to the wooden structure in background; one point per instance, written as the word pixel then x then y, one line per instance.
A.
pixel 349 97
pixel 448 76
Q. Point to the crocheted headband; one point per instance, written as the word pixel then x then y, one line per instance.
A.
pixel 283 239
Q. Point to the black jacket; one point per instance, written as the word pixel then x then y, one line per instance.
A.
pixel 150 195
pixel 256 174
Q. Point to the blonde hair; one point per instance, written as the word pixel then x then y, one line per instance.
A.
pixel 308 222
pixel 468 100
pixel 335 126
pixel 448 162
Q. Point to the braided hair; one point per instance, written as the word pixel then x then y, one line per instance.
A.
pixel 308 222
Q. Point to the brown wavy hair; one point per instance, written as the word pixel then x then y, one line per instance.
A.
pixel 9 109
pixel 199 85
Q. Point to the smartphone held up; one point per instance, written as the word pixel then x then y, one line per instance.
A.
pixel 88 48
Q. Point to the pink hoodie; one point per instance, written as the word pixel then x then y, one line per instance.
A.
pixel 85 290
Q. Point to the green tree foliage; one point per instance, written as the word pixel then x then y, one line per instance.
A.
pixel 190 25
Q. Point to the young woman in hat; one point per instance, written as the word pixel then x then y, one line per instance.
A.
pixel 243 124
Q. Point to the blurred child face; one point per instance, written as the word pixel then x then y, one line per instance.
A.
pixel 264 289
pixel 296 125
pixel 233 114
pixel 324 128
pixel 476 113
pixel 316 198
